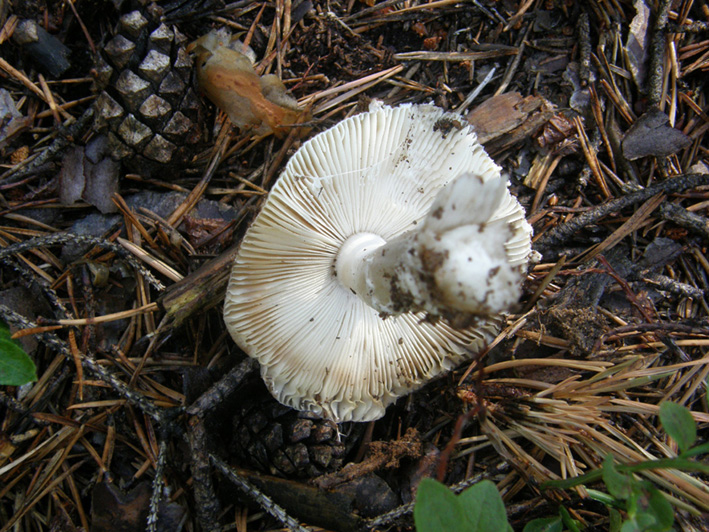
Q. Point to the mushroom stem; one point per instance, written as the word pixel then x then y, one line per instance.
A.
pixel 461 258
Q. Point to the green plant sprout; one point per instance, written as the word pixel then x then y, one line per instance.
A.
pixel 646 509
pixel 16 367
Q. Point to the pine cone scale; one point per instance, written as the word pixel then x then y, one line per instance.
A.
pixel 146 105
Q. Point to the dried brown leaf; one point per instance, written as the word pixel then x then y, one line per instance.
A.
pixel 651 134
pixel 227 76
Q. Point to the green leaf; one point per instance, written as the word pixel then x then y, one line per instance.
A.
pixel 437 508
pixel 619 485
pixel 696 450
pixel 649 509
pixel 615 520
pixel 544 524
pixel 478 509
pixel 630 526
pixel 570 523
pixel 605 498
pixel 661 508
pixel 679 424
pixel 483 507
pixel 16 367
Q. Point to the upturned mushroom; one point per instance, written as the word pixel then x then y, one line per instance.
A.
pixel 383 257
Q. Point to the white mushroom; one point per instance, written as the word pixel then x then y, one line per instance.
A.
pixel 382 257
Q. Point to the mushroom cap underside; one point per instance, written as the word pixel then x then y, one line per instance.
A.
pixel 321 348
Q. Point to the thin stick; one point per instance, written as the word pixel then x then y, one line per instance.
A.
pixel 150 307
pixel 347 86
pixel 261 498
pixel 83 26
pixel 457 56
pixel 27 82
pixel 157 487
pixel 91 365
pixel 563 232
pixel 684 218
pixel 656 69
pixel 63 238
pixel 194 196
pixel 50 99
pixel 151 261
pixel 512 68
pixel 66 137
pixel 216 394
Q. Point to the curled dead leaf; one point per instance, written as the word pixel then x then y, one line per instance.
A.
pixel 652 134
pixel 226 75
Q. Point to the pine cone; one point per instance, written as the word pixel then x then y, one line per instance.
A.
pixel 147 106
pixel 276 439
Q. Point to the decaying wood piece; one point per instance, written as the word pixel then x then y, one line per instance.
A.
pixel 206 502
pixel 508 118
pixel 48 51
pixel 243 479
pixel 381 455
pixel 341 508
pixel 199 291
pixel 681 216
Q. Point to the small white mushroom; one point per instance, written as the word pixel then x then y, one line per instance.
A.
pixel 382 236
